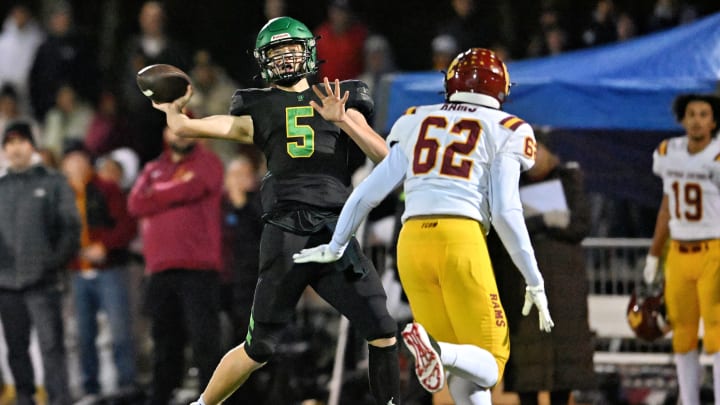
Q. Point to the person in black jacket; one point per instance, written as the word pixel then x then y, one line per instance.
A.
pixel 560 361
pixel 39 233
pixel 64 58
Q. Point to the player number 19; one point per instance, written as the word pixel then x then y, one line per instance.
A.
pixel 691 194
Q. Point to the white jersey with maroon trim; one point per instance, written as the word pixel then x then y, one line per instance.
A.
pixel 692 184
pixel 450 148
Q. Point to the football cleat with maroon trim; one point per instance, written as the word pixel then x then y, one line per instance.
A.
pixel 428 367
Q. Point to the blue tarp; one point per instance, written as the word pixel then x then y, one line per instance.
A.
pixel 623 86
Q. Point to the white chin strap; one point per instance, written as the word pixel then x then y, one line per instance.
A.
pixel 475 98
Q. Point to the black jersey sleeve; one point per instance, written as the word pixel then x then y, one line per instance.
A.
pixel 359 96
pixel 243 99
pixel 237 105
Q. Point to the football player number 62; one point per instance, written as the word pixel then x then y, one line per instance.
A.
pixel 426 150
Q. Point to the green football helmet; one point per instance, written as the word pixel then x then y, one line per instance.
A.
pixel 289 67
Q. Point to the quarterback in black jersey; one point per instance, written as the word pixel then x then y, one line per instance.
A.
pixel 313 139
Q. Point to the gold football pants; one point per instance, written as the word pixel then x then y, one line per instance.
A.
pixel 692 291
pixel 446 272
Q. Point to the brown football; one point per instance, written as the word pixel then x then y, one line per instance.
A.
pixel 162 83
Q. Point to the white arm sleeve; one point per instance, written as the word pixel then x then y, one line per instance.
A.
pixel 382 181
pixel 507 217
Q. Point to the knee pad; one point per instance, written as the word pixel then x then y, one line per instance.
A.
pixel 711 339
pixel 262 340
pixel 466 392
pixel 685 339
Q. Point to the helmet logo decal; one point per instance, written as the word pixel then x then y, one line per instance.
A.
pixel 451 68
pixel 477 71
pixel 283 35
pixel 634 318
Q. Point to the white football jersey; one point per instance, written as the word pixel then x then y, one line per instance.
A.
pixel 450 148
pixel 692 184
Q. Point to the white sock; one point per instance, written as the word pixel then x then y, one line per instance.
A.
pixel 716 377
pixel 470 362
pixel 465 392
pixel 199 401
pixel 688 373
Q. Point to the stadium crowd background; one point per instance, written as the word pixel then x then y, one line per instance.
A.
pixel 219 33
pixel 227 27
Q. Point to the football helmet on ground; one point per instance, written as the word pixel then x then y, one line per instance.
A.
pixel 646 313
pixel 476 75
pixel 288 67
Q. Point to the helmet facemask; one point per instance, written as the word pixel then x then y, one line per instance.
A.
pixel 288 67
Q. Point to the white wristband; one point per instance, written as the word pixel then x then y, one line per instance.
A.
pixel 652 261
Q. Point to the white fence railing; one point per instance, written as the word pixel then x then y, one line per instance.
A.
pixel 614 268
pixel 614 265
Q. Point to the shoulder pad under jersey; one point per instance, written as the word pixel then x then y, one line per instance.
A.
pixel 359 95
pixel 410 110
pixel 511 122
pixel 244 98
pixel 663 147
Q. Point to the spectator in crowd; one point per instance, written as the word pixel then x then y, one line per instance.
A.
pixel 670 13
pixel 67 121
pixel 306 185
pixel 150 46
pixel 502 51
pixel 39 234
pixel 551 38
pixel 241 228
pixel 63 58
pixel 379 61
pixel 688 219
pixel 444 49
pixel 341 47
pixel 560 361
pixel 213 88
pixel 664 15
pixel 177 199
pixel 109 128
pixel 9 108
pixel 21 36
pixel 555 41
pixel 274 8
pixel 626 27
pixel 10 111
pixel 601 28
pixel 120 166
pixel 472 24
pixel 99 271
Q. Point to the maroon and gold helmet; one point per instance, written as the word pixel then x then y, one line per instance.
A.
pixel 477 71
pixel 646 314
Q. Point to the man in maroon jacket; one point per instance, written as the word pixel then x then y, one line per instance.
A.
pixel 177 199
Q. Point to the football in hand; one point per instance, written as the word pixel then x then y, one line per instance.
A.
pixel 162 83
